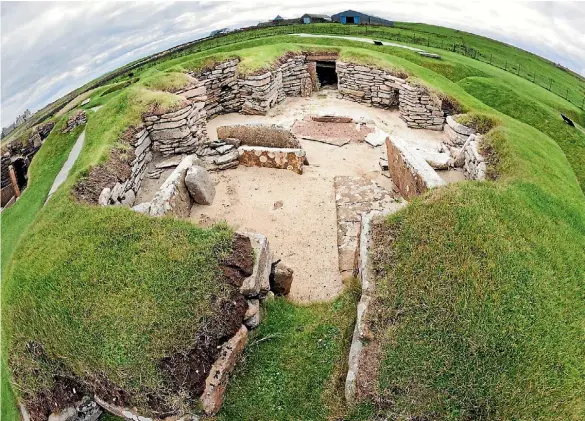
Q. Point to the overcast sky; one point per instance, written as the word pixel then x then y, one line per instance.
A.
pixel 50 48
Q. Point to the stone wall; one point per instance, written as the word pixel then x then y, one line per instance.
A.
pixel 222 90
pixel 419 110
pixel 381 89
pixel 368 85
pixel 261 92
pixel 180 131
pixel 475 165
pixel 124 192
pixel 410 173
pixel 297 79
pixel 77 119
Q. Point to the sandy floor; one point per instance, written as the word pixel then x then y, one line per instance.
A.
pixel 296 212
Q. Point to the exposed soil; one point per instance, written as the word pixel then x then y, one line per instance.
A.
pixel 117 168
pixel 185 373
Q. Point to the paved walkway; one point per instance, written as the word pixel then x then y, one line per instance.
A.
pixel 359 39
pixel 62 176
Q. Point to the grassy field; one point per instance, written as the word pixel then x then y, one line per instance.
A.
pixel 479 307
pixel 295 363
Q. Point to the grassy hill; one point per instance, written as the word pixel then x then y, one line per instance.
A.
pixel 480 304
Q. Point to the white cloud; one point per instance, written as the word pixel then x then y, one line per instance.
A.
pixel 49 49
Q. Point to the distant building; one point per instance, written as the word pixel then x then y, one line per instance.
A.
pixel 357 18
pixel 277 19
pixel 19 120
pixel 313 18
pixel 220 32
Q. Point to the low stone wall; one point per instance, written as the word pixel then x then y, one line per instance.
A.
pixel 220 154
pixel 419 110
pixel 124 192
pixel 410 173
pixel 222 89
pixel 271 136
pixel 297 79
pixel 457 133
pixel 280 158
pixel 381 89
pixel 261 92
pixel 179 131
pixel 368 85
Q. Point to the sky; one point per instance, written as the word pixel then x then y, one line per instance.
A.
pixel 51 48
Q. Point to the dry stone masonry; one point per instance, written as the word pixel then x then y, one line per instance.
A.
pixel 261 92
pixel 298 76
pixel 279 158
pixel 124 192
pixel 368 85
pixel 222 90
pixel 180 131
pixel 380 88
pixel 77 119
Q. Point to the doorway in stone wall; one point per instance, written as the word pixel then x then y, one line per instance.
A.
pixel 20 166
pixel 327 74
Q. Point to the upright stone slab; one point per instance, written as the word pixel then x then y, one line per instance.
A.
pixel 259 282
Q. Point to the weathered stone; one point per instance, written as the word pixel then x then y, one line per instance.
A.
pixel 142 208
pixel 253 321
pixel 281 279
pixel 227 158
pixel 177 133
pixel 169 162
pixel 173 198
pixel 410 173
pixel 105 195
pixel 272 136
pixel 129 198
pixel 200 185
pixel 67 414
pixel 216 382
pixel 260 278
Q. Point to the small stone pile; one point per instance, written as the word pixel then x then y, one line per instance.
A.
pixel 45 129
pixel 179 131
pixel 124 192
pixel 75 120
pixel 368 85
pixel 220 154
pixel 221 84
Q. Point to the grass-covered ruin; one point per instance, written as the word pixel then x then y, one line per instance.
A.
pixel 478 308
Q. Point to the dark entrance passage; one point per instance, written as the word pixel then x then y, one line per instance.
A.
pixel 20 168
pixel 326 73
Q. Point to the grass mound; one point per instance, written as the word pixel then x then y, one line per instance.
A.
pixel 481 123
pixel 121 298
pixel 525 108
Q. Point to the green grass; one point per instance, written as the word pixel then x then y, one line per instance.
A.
pixel 479 306
pixel 294 364
pixel 16 219
pixel 147 274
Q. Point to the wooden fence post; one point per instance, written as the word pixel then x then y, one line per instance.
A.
pixel 14 181
pixel 567 94
pixel 550 85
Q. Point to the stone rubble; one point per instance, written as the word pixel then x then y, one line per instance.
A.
pixel 77 119
pixel 475 165
pixel 280 158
